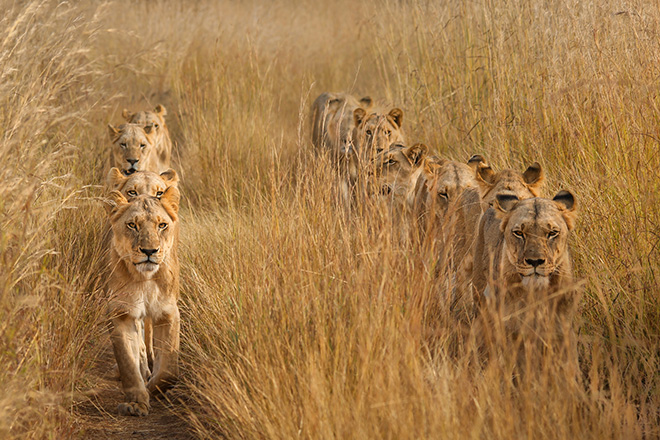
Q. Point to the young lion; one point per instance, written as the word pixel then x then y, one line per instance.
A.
pixel 156 119
pixel 533 254
pixel 141 182
pixel 144 283
pixel 133 148
pixel 131 186
pixel 505 183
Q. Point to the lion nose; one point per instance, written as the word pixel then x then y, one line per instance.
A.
pixel 132 161
pixel 535 262
pixel 148 252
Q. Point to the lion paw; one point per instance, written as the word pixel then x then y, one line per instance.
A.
pixel 133 409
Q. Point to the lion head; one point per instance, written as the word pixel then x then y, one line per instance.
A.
pixel 536 234
pixel 394 172
pixel 141 182
pixel 446 180
pixel 144 230
pixel 509 182
pixel 156 119
pixel 374 132
pixel 133 147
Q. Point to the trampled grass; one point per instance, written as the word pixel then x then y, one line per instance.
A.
pixel 299 321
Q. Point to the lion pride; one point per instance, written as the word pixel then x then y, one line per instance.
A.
pixel 144 283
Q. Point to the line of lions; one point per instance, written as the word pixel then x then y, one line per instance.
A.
pixel 143 283
pixel 492 230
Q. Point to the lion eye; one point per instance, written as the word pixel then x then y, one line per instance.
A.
pixel 162 226
pixel 387 132
pixel 155 125
pixel 518 234
pixel 369 133
pixel 142 146
pixel 444 195
pixel 391 161
pixel 159 193
pixel 132 193
pixel 123 145
pixel 553 234
pixel 132 226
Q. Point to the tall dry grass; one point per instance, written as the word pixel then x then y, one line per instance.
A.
pixel 297 320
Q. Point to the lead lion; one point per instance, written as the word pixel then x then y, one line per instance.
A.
pixel 144 283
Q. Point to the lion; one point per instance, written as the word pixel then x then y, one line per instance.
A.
pixel 141 182
pixel 333 121
pixel 162 139
pixel 131 186
pixel 508 183
pixel 144 283
pixel 375 131
pixel 134 148
pixel 533 254
pixel 451 207
pixel 394 177
pixel 527 289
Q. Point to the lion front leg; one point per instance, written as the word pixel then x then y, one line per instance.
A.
pixel 166 351
pixel 126 343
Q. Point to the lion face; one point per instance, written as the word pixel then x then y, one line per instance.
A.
pixel 535 233
pixel 141 182
pixel 133 147
pixel 393 171
pixel 446 182
pixel 155 119
pixel 144 230
pixel 375 132
pixel 509 182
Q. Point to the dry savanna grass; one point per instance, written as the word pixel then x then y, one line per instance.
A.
pixel 299 321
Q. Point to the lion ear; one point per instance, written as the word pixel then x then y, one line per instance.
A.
pixel 127 115
pixel 485 177
pixel 566 203
pixel 170 177
pixel 359 115
pixel 474 162
pixel 161 110
pixel 115 179
pixel 170 200
pixel 503 205
pixel 114 201
pixel 366 102
pixel 113 131
pixel 416 153
pixel 533 176
pixel 397 116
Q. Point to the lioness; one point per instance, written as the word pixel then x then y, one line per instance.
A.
pixel 131 186
pixel 452 206
pixel 133 148
pixel 505 183
pixel 162 140
pixel 144 283
pixel 533 254
pixel 141 182
pixel 375 131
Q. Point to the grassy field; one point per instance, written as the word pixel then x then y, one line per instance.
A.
pixel 297 321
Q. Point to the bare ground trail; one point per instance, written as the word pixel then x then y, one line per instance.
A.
pixel 98 418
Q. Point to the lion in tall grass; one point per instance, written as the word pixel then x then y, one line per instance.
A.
pixel 506 183
pixel 144 283
pixel 141 182
pixel 133 148
pixel 162 140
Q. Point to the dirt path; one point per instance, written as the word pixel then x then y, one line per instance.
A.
pixel 98 417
